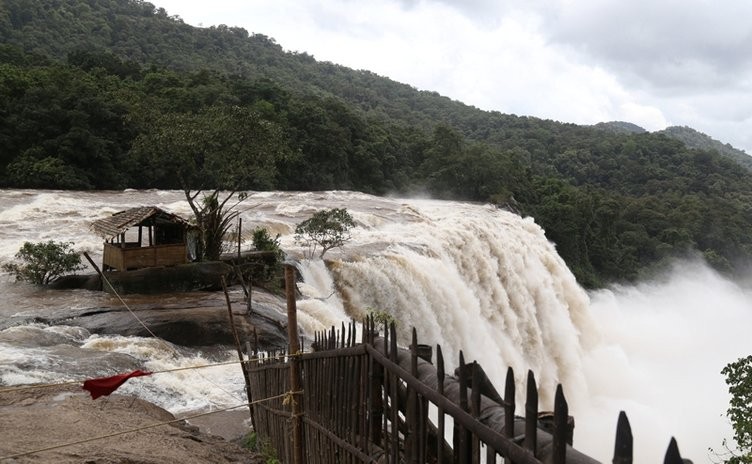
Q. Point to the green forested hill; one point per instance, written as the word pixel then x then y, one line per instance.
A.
pixel 695 139
pixel 102 94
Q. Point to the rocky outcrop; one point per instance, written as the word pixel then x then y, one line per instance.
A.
pixel 193 319
pixel 153 280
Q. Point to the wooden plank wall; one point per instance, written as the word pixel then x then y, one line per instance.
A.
pixel 122 259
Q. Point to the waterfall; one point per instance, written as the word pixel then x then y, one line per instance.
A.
pixel 469 277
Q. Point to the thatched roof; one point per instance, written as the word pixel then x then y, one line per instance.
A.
pixel 118 223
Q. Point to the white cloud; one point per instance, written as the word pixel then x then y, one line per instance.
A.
pixel 652 63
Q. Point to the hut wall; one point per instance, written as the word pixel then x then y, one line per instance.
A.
pixel 123 259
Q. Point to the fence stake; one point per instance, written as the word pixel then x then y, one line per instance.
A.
pixel 475 408
pixel 240 233
pixel 243 366
pixel 413 429
pixel 561 429
pixel 292 333
pixel 394 392
pixel 465 446
pixel 531 414
pixel 509 407
pixel 440 389
pixel 672 453
pixel 623 445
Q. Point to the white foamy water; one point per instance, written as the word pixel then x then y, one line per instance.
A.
pixel 469 277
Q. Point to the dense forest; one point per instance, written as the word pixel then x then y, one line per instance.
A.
pixel 112 94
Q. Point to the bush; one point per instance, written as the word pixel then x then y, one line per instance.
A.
pixel 272 266
pixel 43 262
pixel 262 241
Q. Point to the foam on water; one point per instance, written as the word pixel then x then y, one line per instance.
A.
pixel 469 277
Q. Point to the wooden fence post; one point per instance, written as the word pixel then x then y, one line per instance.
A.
pixel 292 333
pixel 243 366
pixel 531 414
pixel 672 453
pixel 623 444
pixel 240 233
pixel 561 426
pixel 441 419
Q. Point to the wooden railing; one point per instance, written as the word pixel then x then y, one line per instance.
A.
pixel 370 401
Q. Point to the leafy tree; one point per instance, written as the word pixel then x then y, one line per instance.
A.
pixel 212 156
pixel 739 380
pixel 42 262
pixel 327 229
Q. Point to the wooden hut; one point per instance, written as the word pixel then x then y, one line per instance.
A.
pixel 143 237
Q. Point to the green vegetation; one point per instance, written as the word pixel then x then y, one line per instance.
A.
pixel 271 268
pixel 262 241
pixel 696 139
pixel 41 263
pixel 329 228
pixel 262 446
pixel 739 380
pixel 380 317
pixel 109 94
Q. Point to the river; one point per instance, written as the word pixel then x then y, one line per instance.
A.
pixel 468 276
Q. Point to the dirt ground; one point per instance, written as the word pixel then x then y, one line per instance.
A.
pixel 31 420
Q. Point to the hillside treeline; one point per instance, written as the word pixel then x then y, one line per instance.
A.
pixel 112 94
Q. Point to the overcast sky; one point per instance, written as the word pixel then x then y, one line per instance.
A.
pixel 655 63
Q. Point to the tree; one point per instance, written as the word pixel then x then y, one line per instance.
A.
pixel 739 380
pixel 215 219
pixel 327 229
pixel 212 156
pixel 41 263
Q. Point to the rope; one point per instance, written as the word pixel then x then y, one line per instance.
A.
pixel 173 350
pixel 138 429
pixel 290 398
pixel 176 369
pixel 131 311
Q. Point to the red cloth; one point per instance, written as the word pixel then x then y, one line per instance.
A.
pixel 107 385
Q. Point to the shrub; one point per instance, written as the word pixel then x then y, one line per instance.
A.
pixel 272 266
pixel 42 262
pixel 262 241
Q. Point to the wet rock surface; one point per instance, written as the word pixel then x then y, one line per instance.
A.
pixel 194 319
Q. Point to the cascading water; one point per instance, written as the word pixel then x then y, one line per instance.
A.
pixel 472 278
pixel 469 277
